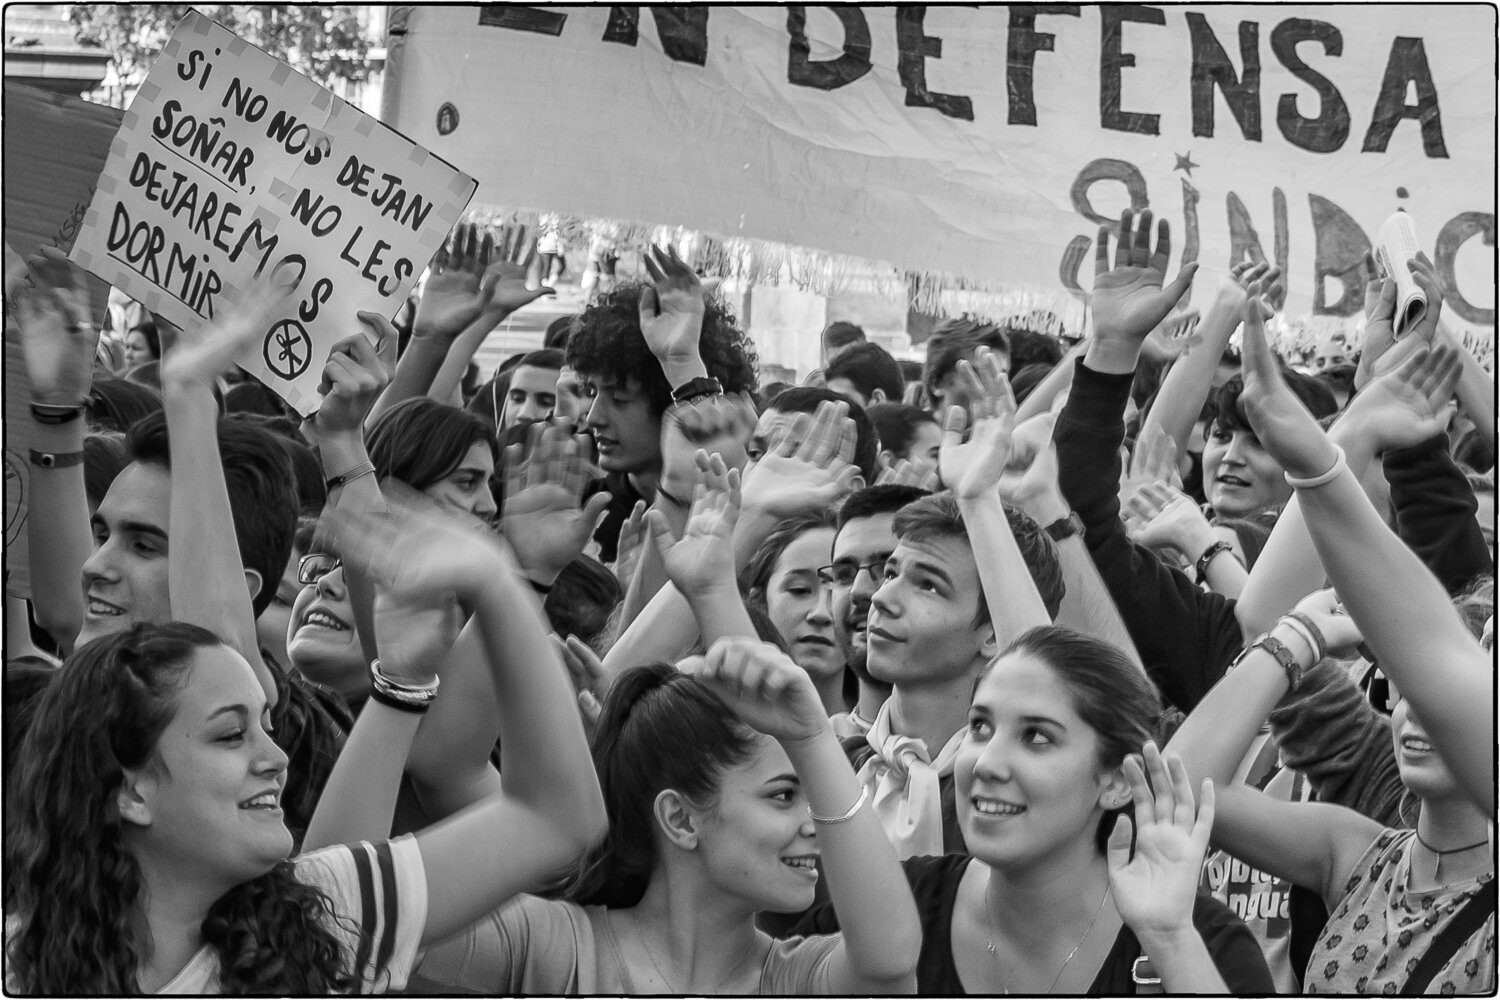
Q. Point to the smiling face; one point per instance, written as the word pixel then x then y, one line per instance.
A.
pixel 467 488
pixel 626 432
pixel 799 606
pixel 1028 779
pixel 922 627
pixel 1422 770
pixel 125 578
pixel 757 840
pixel 273 627
pixel 1240 478
pixel 323 644
pixel 208 803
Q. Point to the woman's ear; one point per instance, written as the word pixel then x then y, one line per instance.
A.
pixel 1114 790
pixel 131 799
pixel 676 818
pixel 990 644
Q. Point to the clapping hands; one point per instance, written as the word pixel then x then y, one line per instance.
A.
pixel 542 518
pixel 972 468
pixel 703 558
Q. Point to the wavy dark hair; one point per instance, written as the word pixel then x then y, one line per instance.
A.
pixel 420 441
pixel 73 886
pixel 607 341
pixel 659 728
pixel 757 573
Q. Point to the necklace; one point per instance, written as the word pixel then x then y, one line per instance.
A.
pixel 651 954
pixel 990 923
pixel 1439 855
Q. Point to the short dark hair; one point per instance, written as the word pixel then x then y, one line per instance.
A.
pixel 113 404
pixel 312 491
pixel 887 498
pixel 419 441
pixel 896 424
pixel 868 367
pixel 1028 347
pixel 582 599
pixel 607 341
pixel 840 333
pixel 252 396
pixel 547 357
pixel 1023 382
pixel 558 332
pixel 262 498
pixel 938 516
pixel 104 456
pixel 757 572
pixel 805 399
pixel 1225 406
pixel 956 340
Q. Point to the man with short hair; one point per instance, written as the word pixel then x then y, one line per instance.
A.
pixel 953 341
pixel 532 395
pixel 866 374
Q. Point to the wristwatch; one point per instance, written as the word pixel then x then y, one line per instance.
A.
pixel 1208 556
pixel 1065 527
pixel 697 388
pixel 1285 657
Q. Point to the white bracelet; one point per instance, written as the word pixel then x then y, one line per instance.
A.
pixel 864 795
pixel 1338 468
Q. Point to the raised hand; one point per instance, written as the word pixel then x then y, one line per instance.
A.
pixel 1128 300
pixel 1408 405
pixel 1285 429
pixel 719 425
pixel 1427 279
pixel 1031 476
pixel 1269 276
pixel 510 262
pixel 972 468
pixel 201 355
pixel 672 308
pixel 58 339
pixel 1160 517
pixel 459 286
pixel 1154 460
pixel 1154 888
pixel 629 548
pixel 703 557
pixel 353 378
pixel 762 686
pixel 806 466
pixel 542 519
pixel 1173 336
pixel 590 677
pixel 900 472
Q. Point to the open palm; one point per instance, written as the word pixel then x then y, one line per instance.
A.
pixel 1155 886
pixel 1128 300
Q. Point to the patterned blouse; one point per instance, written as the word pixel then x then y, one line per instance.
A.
pixel 1381 929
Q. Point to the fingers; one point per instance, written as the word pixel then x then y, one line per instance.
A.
pixel 650 306
pixel 487 249
pixel 1101 249
pixel 654 269
pixel 1203 824
pixel 1183 810
pixel 660 531
pixel 1120 839
pixel 1161 784
pixel 954 423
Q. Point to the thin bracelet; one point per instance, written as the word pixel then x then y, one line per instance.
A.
pixel 1320 644
pixel 1339 467
pixel 1302 633
pixel 407 697
pixel 415 708
pixel 864 794
pixel 365 468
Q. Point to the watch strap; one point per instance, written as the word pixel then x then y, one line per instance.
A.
pixel 697 388
pixel 1065 527
pixel 56 460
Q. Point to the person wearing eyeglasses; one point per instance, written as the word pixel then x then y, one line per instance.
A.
pixel 322 643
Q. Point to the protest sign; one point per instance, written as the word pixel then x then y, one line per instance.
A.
pixel 981 147
pixel 231 170
pixel 55 147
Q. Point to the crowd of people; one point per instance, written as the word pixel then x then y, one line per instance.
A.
pixel 1142 661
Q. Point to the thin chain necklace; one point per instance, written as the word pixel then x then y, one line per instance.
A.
pixel 989 920
pixel 651 954
pixel 1437 867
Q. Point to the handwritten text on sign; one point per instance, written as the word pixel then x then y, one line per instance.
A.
pixel 231 169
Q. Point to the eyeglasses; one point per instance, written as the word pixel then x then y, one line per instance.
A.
pixel 844 574
pixel 315 565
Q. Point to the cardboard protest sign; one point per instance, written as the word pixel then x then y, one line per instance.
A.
pixel 230 170
pixel 55 147
pixel 980 147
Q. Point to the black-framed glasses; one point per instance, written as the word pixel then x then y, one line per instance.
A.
pixel 315 565
pixel 844 574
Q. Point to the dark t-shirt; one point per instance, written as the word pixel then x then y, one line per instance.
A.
pixel 934 885
pixel 623 497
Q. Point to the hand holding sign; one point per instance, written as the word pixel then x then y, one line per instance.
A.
pixel 56 335
pixel 353 379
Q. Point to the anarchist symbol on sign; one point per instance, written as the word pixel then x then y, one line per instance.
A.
pixel 288 349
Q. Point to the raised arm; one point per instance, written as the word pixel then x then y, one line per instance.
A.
pixel 58 341
pixel 206 581
pixel 548 808
pixel 1401 608
pixel 881 933
pixel 974 468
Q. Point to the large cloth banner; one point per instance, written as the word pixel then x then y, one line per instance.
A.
pixel 981 147
pixel 231 170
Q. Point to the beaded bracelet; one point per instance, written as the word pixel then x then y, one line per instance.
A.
pixel 1313 482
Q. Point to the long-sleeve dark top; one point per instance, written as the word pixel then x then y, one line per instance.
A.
pixel 1434 509
pixel 1186 637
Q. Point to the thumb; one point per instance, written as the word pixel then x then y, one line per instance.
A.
pixel 661 532
pixel 594 509
pixel 1184 280
pixel 650 305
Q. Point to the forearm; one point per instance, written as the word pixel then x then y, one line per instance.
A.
pixel 720 612
pixel 360 797
pixel 206 579
pixel 663 631
pixel 447 383
pixel 1215 736
pixel 882 935
pixel 1408 621
pixel 1226 576
pixel 451 752
pixel 1189 380
pixel 1009 591
pixel 339 454
pixel 1476 391
pixel 415 370
pixel 650 575
pixel 1049 388
pixel 58 539
pixel 1182 961
pixel 1086 604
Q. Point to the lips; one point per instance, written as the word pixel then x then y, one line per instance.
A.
pixel 1235 481
pixel 876 632
pixel 803 864
pixel 269 801
pixel 815 640
pixel 1415 745
pixel 995 807
pixel 319 618
pixel 102 608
